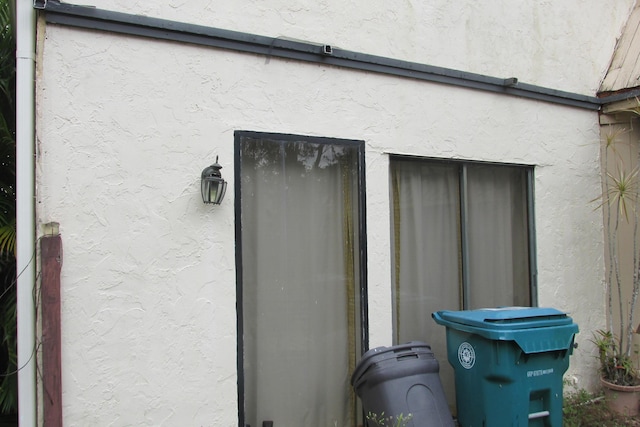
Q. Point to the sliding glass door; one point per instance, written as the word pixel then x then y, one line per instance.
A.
pixel 461 235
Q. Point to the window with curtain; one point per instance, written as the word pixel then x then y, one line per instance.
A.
pixel 461 240
pixel 300 261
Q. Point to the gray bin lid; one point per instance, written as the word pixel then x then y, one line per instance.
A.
pixel 380 355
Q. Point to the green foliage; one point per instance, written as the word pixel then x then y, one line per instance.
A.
pixel 615 366
pixel 8 337
pixel 583 409
pixel 8 345
pixel 620 202
pixel 622 190
pixel 390 421
pixel 7 134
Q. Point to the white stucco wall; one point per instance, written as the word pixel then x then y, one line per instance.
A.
pixel 559 44
pixel 125 126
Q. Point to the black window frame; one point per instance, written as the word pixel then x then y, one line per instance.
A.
pixel 362 236
pixel 531 231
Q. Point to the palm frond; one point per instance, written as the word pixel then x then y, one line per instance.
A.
pixel 612 138
pixel 622 190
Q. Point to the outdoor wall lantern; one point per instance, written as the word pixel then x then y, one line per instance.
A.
pixel 213 186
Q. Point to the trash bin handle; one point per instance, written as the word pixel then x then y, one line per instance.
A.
pixel 410 346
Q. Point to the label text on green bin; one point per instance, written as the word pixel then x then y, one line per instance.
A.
pixel 539 372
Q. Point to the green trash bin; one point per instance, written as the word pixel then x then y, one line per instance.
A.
pixel 508 364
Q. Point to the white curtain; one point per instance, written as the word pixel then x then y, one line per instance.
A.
pixel 298 282
pixel 427 246
pixel 498 243
pixel 426 253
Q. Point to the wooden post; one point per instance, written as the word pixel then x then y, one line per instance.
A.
pixel 51 262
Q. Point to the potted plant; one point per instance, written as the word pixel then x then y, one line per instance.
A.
pixel 620 203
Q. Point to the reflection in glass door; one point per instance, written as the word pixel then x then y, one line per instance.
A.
pixel 300 278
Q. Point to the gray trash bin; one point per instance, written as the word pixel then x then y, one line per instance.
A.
pixel 402 380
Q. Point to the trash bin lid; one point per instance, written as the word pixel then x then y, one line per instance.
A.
pixel 534 329
pixel 380 355
pixel 508 318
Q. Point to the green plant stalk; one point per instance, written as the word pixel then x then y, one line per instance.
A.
pixel 615 194
pixel 620 195
pixel 618 281
pixel 636 279
pixel 621 190
pixel 610 141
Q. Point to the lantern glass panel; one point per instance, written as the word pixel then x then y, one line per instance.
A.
pixel 213 190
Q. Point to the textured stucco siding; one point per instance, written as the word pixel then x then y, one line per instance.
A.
pixel 125 125
pixel 562 44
